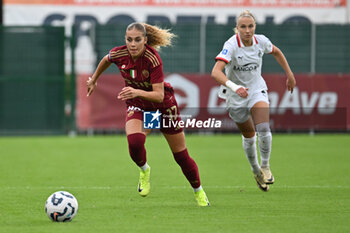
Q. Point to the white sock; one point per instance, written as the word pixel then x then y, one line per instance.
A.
pixel 265 142
pixel 144 167
pixel 249 146
pixel 197 189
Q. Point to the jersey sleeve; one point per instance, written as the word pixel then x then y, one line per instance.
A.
pixel 111 54
pixel 116 53
pixel 155 65
pixel 267 45
pixel 156 74
pixel 226 52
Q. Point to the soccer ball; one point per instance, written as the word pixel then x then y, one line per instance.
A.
pixel 61 206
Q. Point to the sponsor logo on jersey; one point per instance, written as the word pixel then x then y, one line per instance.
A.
pixel 133 108
pixel 144 84
pixel 246 67
pixel 224 51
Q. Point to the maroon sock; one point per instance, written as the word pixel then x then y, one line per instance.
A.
pixel 137 149
pixel 189 167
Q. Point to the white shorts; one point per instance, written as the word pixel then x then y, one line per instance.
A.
pixel 239 108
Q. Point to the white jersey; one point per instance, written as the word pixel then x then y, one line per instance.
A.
pixel 243 64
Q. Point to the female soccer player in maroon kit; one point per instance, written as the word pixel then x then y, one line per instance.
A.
pixel 145 90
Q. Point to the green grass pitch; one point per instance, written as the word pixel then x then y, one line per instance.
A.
pixel 311 192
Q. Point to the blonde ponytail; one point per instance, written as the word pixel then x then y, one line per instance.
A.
pixel 158 37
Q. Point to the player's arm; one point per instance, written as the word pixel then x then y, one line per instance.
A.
pixel 92 81
pixel 219 76
pixel 156 95
pixel 281 59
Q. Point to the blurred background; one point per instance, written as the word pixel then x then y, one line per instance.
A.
pixel 49 49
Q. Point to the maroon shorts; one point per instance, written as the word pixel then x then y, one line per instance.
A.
pixel 170 116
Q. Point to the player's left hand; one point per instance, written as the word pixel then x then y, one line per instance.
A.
pixel 91 85
pixel 290 82
pixel 127 93
pixel 242 92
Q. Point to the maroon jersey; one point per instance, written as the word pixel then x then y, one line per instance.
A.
pixel 141 74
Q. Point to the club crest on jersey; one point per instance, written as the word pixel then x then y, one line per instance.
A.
pixel 145 73
pixel 133 73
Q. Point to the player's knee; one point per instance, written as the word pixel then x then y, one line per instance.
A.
pixel 248 134
pixel 136 141
pixel 248 141
pixel 263 129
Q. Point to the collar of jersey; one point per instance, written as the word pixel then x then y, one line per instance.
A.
pixel 240 43
pixel 132 64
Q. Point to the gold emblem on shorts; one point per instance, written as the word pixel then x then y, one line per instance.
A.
pixel 145 73
pixel 131 113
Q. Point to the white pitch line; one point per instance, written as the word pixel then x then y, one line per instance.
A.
pixel 176 187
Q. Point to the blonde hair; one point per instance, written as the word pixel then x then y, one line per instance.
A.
pixel 156 37
pixel 245 13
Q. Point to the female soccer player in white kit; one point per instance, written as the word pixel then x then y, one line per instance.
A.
pixel 245 91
